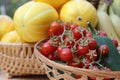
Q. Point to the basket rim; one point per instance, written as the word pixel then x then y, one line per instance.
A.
pixel 16 43
pixel 112 74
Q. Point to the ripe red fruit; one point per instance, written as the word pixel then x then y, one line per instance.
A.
pixel 115 42
pixel 68 42
pixel 77 34
pixel 55 29
pixel 66 25
pixel 103 49
pixel 89 34
pixel 82 50
pixel 66 54
pixel 53 56
pixel 58 50
pixel 73 64
pixel 73 26
pixel 92 44
pixel 84 31
pixel 102 33
pixel 47 48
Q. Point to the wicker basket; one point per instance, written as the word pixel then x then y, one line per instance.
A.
pixel 53 69
pixel 18 59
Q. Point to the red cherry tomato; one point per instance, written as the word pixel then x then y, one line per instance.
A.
pixel 77 34
pixel 68 42
pixel 55 29
pixel 103 49
pixel 115 42
pixel 53 57
pixel 73 26
pixel 73 64
pixel 89 60
pixel 82 50
pixel 102 33
pixel 92 44
pixel 58 50
pixel 47 48
pixel 89 34
pixel 66 25
pixel 84 31
pixel 66 54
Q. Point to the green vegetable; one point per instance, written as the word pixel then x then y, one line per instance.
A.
pixel 112 60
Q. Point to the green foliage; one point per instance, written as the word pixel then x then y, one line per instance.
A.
pixel 12 5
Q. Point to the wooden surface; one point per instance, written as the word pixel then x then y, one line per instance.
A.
pixel 33 77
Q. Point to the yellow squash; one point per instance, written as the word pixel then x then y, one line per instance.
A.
pixel 79 12
pixel 32 20
pixel 6 25
pixel 55 3
pixel 11 37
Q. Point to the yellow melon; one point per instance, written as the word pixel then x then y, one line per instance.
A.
pixel 11 37
pixel 79 11
pixel 32 20
pixel 55 3
pixel 6 25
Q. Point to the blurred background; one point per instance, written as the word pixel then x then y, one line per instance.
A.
pixel 8 7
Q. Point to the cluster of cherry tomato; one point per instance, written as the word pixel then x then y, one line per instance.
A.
pixel 74 45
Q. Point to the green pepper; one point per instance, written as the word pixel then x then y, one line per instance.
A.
pixel 112 60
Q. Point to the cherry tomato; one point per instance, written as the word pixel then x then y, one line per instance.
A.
pixel 73 64
pixel 55 29
pixel 47 48
pixel 77 34
pixel 115 42
pixel 73 26
pixel 68 42
pixel 103 49
pixel 82 50
pixel 66 25
pixel 84 31
pixel 53 57
pixel 58 50
pixel 92 44
pixel 102 33
pixel 66 54
pixel 89 60
pixel 89 34
pixel 76 62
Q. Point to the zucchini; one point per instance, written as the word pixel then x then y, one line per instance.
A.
pixel 112 59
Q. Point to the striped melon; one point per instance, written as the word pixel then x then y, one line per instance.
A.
pixel 57 4
pixel 32 20
pixel 79 12
pixel 6 25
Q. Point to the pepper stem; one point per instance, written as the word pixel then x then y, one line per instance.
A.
pixel 91 28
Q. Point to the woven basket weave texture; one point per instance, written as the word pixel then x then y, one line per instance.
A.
pixel 18 59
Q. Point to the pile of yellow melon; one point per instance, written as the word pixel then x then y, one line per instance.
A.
pixel 32 20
